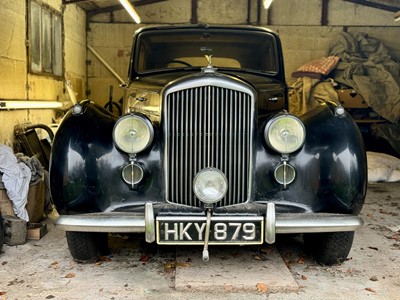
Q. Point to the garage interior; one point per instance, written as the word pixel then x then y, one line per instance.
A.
pixel 86 56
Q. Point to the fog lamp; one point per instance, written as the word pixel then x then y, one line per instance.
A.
pixel 210 185
pixel 133 133
pixel 285 133
pixel 132 174
pixel 284 174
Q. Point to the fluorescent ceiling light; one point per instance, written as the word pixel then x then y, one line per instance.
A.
pixel 267 3
pixel 129 8
pixel 29 104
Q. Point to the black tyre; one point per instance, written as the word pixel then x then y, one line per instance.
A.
pixel 86 247
pixel 329 248
pixel 1 233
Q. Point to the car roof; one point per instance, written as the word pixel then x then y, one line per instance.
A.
pixel 207 26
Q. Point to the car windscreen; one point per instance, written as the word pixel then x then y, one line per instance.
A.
pixel 185 48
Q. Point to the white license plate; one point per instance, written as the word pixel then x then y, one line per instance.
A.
pixel 223 230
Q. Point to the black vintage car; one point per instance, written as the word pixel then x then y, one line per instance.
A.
pixel 206 152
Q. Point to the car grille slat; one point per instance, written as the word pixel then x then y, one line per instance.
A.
pixel 208 126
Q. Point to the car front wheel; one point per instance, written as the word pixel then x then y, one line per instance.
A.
pixel 329 248
pixel 86 247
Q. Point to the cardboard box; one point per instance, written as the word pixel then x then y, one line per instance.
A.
pixel 349 98
pixel 35 205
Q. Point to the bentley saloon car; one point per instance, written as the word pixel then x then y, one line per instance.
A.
pixel 206 153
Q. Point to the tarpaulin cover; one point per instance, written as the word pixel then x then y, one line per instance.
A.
pixel 367 67
pixel 307 93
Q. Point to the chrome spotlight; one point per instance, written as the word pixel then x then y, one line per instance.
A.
pixel 210 185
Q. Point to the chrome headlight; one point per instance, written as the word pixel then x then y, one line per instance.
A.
pixel 285 133
pixel 133 133
pixel 210 185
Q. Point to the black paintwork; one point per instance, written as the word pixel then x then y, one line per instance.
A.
pixel 86 167
pixel 331 166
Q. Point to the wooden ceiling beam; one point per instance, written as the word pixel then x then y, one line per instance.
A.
pixel 324 13
pixel 65 2
pixel 374 5
pixel 113 8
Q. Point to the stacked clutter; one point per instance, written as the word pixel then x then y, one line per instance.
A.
pixel 22 196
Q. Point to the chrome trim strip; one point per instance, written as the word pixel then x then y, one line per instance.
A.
pixel 317 222
pixel 270 224
pixel 150 223
pixel 102 222
pixel 213 218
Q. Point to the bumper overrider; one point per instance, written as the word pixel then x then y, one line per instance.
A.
pixel 148 223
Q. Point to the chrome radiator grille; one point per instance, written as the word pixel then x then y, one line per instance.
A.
pixel 208 126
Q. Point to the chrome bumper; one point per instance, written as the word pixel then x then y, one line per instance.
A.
pixel 274 224
pixel 111 222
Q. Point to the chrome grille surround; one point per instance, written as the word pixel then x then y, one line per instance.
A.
pixel 208 121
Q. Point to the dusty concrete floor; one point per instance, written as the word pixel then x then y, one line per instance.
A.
pixel 44 269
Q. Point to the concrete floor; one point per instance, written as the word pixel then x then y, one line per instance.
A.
pixel 44 269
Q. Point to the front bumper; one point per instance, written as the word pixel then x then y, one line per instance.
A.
pixel 274 223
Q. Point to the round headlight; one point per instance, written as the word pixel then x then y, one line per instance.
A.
pixel 210 185
pixel 285 134
pixel 133 133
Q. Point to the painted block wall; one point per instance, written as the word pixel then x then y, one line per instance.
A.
pixel 116 54
pixel 297 22
pixel 12 50
pixel 16 83
pixel 75 49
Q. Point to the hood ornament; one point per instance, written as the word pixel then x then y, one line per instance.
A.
pixel 208 57
pixel 209 68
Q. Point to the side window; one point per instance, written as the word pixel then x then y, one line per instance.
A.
pixel 45 40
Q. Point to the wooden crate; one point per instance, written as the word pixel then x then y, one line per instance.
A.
pixel 35 205
pixel 36 231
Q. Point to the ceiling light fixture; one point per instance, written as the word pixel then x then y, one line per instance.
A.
pixel 27 104
pixel 267 3
pixel 131 11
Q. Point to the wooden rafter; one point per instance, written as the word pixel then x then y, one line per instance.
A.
pixel 374 5
pixel 72 1
pixel 324 13
pixel 98 9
